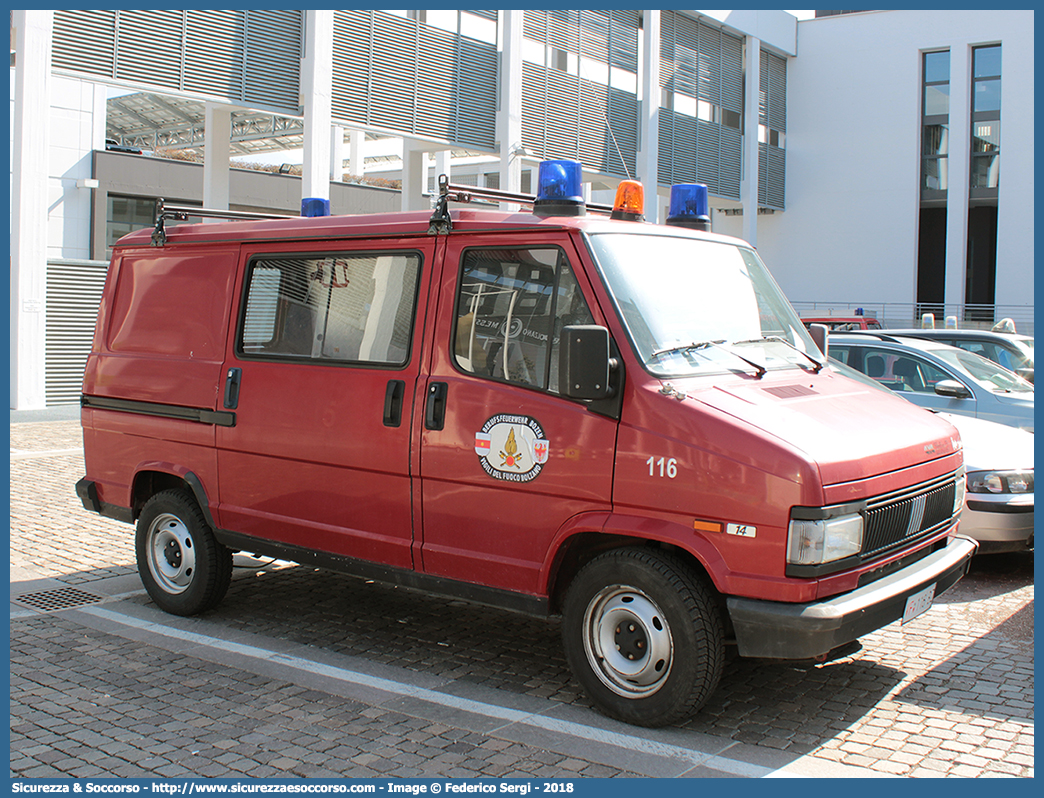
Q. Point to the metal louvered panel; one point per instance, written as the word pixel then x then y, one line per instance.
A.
pixel 623 116
pixel 623 39
pixel 149 47
pixel 74 290
pixel 774 178
pixel 774 86
pixel 476 93
pixel 351 66
pixel 563 111
pixel 678 161
pixel 731 73
pixel 534 110
pixel 708 149
pixel 437 58
pixel 534 25
pixel 85 41
pixel 730 163
pixel 710 64
pixel 762 174
pixel 563 30
pixel 273 58
pixel 594 33
pixel 246 57
pixel 214 47
pixel 705 62
pixel 394 73
pixel 413 79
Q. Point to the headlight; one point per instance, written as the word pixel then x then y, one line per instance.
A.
pixel 824 540
pixel 1000 482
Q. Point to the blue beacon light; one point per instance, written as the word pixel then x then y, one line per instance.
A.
pixel 559 189
pixel 690 206
pixel 315 206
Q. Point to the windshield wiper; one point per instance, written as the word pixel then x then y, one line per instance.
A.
pixel 761 370
pixel 818 363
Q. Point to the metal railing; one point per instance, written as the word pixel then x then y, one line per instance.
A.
pixel 908 314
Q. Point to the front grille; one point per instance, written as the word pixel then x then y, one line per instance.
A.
pixel 897 519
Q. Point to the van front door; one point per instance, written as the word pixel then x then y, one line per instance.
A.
pixel 321 374
pixel 507 465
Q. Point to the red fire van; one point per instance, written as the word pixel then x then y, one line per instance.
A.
pixel 550 411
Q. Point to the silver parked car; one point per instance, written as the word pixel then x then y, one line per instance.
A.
pixel 939 377
pixel 1011 350
pixel 998 503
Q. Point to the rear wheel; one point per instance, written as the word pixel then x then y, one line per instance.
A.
pixel 183 567
pixel 643 635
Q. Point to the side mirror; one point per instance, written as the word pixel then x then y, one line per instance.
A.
pixel 584 362
pixel 952 388
pixel 819 336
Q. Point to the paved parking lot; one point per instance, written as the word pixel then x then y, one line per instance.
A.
pixel 301 672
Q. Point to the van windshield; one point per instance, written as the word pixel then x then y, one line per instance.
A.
pixel 700 307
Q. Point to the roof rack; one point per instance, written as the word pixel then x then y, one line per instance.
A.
pixel 183 212
pixel 441 222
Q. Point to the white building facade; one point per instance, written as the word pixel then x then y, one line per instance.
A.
pixel 864 169
pixel 814 136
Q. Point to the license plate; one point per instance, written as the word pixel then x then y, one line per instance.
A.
pixel 918 603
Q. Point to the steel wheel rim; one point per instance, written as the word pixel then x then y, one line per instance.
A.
pixel 627 641
pixel 171 553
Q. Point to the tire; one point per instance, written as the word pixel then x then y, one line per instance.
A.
pixel 183 567
pixel 644 636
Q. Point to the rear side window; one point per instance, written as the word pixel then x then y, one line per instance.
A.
pixel 347 307
pixel 173 304
pixel 511 308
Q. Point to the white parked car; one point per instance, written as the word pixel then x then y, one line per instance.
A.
pixel 998 504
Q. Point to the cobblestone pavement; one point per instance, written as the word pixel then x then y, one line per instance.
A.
pixel 102 690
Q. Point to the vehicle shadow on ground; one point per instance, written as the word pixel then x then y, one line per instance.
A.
pixel 787 707
pixel 977 681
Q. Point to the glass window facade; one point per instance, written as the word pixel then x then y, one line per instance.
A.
pixel 985 126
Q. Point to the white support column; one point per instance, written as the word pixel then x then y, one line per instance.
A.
pixel 356 155
pixel 336 153
pixel 29 189
pixel 217 151
pixel 958 189
pixel 649 123
pixel 413 173
pixel 317 89
pixel 509 105
pixel 751 121
pixel 443 161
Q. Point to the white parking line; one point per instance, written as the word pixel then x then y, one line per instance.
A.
pixel 588 733
pixel 25 454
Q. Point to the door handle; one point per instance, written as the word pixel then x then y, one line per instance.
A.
pixel 393 403
pixel 435 410
pixel 232 379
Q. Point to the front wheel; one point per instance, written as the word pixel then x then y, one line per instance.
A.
pixel 643 635
pixel 183 567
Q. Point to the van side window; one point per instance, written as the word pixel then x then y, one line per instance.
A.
pixel 340 307
pixel 511 308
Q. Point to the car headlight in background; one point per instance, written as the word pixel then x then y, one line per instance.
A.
pixel 1020 481
pixel 824 540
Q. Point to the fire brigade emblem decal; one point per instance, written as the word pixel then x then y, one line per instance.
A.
pixel 512 448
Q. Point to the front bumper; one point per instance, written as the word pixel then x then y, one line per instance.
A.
pixel 999 523
pixel 802 631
